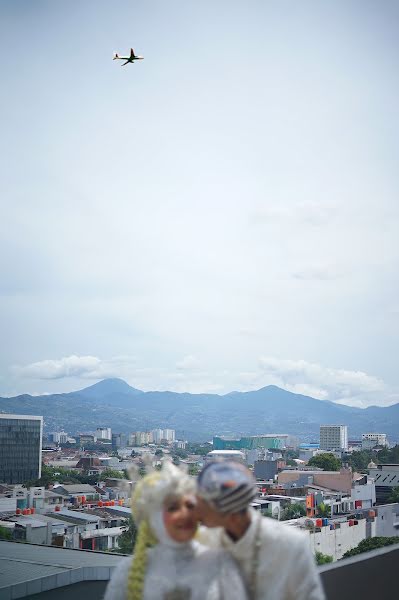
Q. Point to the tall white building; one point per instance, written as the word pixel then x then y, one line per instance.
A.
pixel 369 440
pixel 169 435
pixel 104 433
pixel 157 435
pixel 333 437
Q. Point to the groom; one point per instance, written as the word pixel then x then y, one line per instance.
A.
pixel 275 560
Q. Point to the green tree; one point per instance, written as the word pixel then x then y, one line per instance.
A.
pixel 127 540
pixel 394 495
pixel 359 460
pixel 293 511
pixel 323 510
pixel 371 544
pixel 5 533
pixel 326 461
pixel 159 452
pixel 112 474
pixel 323 559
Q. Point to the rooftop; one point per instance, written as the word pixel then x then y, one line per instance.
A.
pixel 27 569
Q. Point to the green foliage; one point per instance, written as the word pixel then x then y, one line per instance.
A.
pixel 326 461
pixel 388 455
pixel 5 533
pixel 127 540
pixel 360 459
pixel 52 474
pixel 159 452
pixel 394 496
pixel 293 511
pixel 112 474
pixel 371 544
pixel 323 559
pixel 180 453
pixel 323 510
pixel 200 449
pixel 193 470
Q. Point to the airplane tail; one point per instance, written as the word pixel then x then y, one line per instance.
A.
pixel 115 55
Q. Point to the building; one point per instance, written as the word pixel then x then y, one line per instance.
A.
pixel 59 437
pixel 267 469
pixel 104 433
pixel 268 441
pixel 119 440
pixel 20 448
pixel 333 437
pixel 386 477
pixel 225 455
pixel 157 435
pixel 169 435
pixel 370 440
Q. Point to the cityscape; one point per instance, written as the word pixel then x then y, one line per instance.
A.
pixel 73 491
pixel 199 300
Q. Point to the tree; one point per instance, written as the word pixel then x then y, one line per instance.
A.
pixel 394 495
pixel 159 452
pixel 323 559
pixel 326 461
pixel 127 540
pixel 5 533
pixel 323 510
pixel 371 544
pixel 293 511
pixel 112 474
pixel 359 460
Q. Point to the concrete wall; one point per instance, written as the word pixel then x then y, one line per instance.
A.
pixel 335 542
pixel 387 517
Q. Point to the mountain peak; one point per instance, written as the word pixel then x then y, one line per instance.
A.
pixel 109 386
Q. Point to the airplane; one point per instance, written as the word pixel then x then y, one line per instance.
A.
pixel 128 59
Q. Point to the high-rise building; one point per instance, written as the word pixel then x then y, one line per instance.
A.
pixel 157 435
pixel 104 433
pixel 20 448
pixel 169 435
pixel 369 440
pixel 333 437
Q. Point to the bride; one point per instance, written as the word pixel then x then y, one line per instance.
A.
pixel 168 564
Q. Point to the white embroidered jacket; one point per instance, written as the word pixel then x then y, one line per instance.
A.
pixel 187 572
pixel 286 566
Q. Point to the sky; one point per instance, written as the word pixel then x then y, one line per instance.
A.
pixel 220 216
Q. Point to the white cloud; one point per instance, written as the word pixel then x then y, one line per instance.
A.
pixel 338 385
pixel 87 367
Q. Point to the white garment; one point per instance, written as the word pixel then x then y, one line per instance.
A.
pixel 286 566
pixel 198 573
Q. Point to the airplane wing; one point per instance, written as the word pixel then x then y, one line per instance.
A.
pixel 132 53
pixel 125 63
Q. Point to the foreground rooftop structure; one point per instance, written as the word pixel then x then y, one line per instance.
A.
pixel 50 573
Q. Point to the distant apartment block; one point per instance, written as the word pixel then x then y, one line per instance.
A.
pixel 20 448
pixel 333 437
pixel 370 440
pixel 104 433
pixel 59 437
pixel 169 435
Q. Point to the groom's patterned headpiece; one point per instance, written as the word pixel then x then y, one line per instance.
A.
pixel 228 486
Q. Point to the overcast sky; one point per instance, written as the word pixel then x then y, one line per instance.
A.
pixel 222 215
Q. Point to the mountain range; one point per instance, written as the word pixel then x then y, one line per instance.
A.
pixel 197 417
